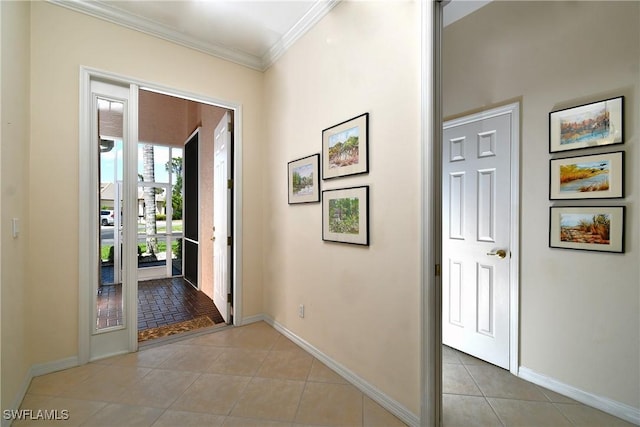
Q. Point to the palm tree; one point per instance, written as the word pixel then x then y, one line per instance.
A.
pixel 149 199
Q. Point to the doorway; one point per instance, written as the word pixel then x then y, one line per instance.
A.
pixel 480 170
pixel 95 342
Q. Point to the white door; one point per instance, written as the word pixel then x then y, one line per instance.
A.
pixel 476 235
pixel 221 218
pixel 109 253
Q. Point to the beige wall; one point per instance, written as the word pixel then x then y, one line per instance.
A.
pixel 580 319
pixel 14 167
pixel 362 303
pixel 57 52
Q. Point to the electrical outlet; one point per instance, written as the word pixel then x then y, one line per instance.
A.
pixel 301 310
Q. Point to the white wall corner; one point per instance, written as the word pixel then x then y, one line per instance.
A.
pixel 365 387
pixel 610 406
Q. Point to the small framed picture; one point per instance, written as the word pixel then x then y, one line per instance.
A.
pixel 589 125
pixel 345 215
pixel 599 176
pixel 304 181
pixel 345 148
pixel 589 228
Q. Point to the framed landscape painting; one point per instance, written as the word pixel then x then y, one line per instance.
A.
pixel 599 176
pixel 589 228
pixel 589 125
pixel 345 215
pixel 304 182
pixel 345 148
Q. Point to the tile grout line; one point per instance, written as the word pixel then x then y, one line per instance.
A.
pixel 484 395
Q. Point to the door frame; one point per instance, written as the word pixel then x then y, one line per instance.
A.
pixel 513 111
pixel 87 220
pixel 198 132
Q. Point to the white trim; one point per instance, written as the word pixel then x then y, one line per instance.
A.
pixel 610 406
pixel 237 214
pixel 513 111
pixel 252 319
pixel 36 371
pixel 130 176
pixel 88 195
pixel 315 14
pixel 430 228
pixel 116 16
pixel 365 387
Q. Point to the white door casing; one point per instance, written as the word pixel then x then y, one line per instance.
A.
pixel 479 204
pixel 221 216
pixel 88 220
pixel 96 343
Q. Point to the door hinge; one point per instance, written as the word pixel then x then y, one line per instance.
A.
pixel 438 270
pixel 229 240
pixel 229 184
pixel 229 298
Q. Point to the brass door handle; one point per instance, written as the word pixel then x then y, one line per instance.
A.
pixel 499 253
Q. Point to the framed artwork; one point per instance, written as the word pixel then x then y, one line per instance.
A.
pixel 589 125
pixel 599 176
pixel 589 228
pixel 345 215
pixel 345 148
pixel 304 182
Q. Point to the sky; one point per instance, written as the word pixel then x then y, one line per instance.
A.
pixel 161 156
pixel 571 220
pixel 304 170
pixel 343 136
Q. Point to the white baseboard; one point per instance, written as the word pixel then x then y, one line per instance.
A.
pixel 368 389
pixel 610 406
pixel 251 319
pixel 35 371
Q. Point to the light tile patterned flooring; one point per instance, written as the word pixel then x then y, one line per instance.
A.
pixel 476 393
pixel 245 376
pixel 254 376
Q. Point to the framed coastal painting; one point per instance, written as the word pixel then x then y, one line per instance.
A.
pixel 345 148
pixel 589 228
pixel 304 180
pixel 345 215
pixel 598 176
pixel 590 125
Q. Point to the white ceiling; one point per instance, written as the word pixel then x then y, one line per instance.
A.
pixel 253 33
pixel 458 9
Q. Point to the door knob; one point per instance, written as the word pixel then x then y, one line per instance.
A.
pixel 213 238
pixel 499 253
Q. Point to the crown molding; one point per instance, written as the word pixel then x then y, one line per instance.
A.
pixel 315 14
pixel 116 16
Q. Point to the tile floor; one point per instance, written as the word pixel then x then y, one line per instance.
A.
pixel 476 393
pixel 245 376
pixel 254 376
pixel 160 302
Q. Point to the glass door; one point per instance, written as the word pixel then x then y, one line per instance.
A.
pixel 113 310
pixel 159 211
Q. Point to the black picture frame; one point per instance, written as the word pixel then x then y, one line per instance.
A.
pixel 345 215
pixel 587 228
pixel 303 180
pixel 594 176
pixel 589 125
pixel 345 148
